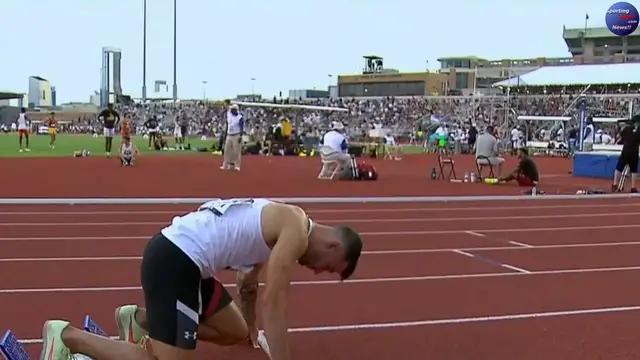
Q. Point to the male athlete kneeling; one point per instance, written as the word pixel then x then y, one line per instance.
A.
pixel 221 234
pixel 128 151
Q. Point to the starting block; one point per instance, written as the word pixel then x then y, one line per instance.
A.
pixel 91 326
pixel 12 349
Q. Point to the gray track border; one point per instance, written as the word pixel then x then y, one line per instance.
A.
pixel 308 200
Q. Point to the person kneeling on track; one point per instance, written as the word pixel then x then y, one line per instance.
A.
pixel 128 151
pixel 526 174
pixel 178 272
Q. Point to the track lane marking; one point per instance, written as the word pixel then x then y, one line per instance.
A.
pixel 366 252
pixel 447 321
pixel 633 215
pixel 347 282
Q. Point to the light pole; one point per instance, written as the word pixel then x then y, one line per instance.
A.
pixel 175 50
pixel 144 51
pixel 204 90
pixel 253 87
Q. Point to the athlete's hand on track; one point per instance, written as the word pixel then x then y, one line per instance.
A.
pixel 253 338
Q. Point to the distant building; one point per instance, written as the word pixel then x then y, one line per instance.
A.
pixel 308 94
pixel 249 97
pixel 465 74
pixel 333 91
pixel 600 42
pixel 53 96
pixel 375 80
pixel 39 92
pixel 95 99
pixel 23 101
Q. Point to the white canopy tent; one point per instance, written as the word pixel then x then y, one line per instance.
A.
pixel 591 74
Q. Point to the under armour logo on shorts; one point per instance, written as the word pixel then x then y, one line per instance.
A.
pixel 190 335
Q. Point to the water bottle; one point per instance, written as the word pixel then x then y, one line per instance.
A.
pixel 434 174
pixel 473 177
pixel 466 177
pixel 534 191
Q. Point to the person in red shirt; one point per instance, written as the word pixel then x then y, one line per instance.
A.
pixel 526 174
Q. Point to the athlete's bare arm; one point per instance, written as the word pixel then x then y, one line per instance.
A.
pixel 247 284
pixel 291 244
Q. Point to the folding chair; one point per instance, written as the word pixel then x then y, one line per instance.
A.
pixel 330 167
pixel 481 166
pixel 446 162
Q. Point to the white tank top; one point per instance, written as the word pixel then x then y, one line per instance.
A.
pixel 222 234
pixel 22 122
pixel 127 150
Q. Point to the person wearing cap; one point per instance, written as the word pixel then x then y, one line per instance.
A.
pixel 629 156
pixel 233 139
pixel 487 152
pixel 337 142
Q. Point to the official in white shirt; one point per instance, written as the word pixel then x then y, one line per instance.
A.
pixel 338 145
pixel 589 134
pixel 233 142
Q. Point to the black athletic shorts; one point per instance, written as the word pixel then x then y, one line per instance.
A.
pixel 177 299
pixel 628 158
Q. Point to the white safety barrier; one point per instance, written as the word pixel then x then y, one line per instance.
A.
pixel 309 200
pixel 289 106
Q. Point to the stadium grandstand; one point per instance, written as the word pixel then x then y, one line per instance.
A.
pixel 8 113
pixel 9 95
pixel 598 42
pixel 466 91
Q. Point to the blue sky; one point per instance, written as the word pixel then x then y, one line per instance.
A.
pixel 283 44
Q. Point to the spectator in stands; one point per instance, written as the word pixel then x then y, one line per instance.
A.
pixel 487 151
pixel 572 137
pixel 400 114
pixel 589 136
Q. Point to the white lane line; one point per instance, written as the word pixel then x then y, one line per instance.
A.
pixel 491 261
pixel 483 208
pixel 353 281
pixel 475 234
pixel 366 252
pixel 521 244
pixel 345 221
pixel 364 233
pixel 435 322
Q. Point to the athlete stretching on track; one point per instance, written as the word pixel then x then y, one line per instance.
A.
pixel 185 302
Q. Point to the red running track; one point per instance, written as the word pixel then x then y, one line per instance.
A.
pixel 501 280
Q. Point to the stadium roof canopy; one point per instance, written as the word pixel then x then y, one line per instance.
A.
pixel 6 95
pixel 597 74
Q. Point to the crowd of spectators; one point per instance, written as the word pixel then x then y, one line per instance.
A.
pixel 402 115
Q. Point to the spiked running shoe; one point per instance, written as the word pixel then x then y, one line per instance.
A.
pixel 52 346
pixel 128 328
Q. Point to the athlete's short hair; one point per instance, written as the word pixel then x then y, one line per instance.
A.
pixel 353 247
